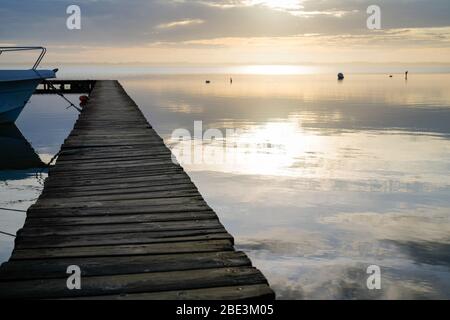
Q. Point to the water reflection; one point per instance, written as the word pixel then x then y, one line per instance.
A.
pixel 322 179
pixel 21 178
pixel 361 102
pixel 17 151
pixel 25 148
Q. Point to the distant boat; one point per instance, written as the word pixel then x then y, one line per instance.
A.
pixel 17 86
pixel 207 81
pixel 340 76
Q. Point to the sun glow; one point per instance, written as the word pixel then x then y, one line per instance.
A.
pixel 272 148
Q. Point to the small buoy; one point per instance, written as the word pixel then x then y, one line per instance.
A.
pixel 340 76
pixel 83 100
pixel 207 81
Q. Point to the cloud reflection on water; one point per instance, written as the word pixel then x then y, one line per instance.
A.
pixel 356 173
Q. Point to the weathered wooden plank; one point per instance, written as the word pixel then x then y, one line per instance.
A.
pixel 105 144
pixel 113 206
pixel 111 160
pixel 121 238
pixel 88 139
pixel 105 131
pixel 114 157
pixel 63 160
pixel 121 185
pixel 122 150
pixel 116 172
pixel 244 292
pixel 123 250
pixel 56 268
pixel 78 143
pixel 134 283
pixel 112 189
pixel 124 165
pixel 80 171
pixel 41 203
pixel 58 230
pixel 116 126
pixel 122 219
pixel 131 178
pixel 113 210
pixel 137 195
pixel 122 194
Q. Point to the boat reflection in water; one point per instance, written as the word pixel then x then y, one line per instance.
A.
pixel 17 153
pixel 22 174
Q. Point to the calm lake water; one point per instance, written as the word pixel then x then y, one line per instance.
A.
pixel 316 179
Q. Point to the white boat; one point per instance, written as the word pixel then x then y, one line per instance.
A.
pixel 17 86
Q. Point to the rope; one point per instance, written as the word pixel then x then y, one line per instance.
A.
pixel 71 105
pixel 15 210
pixel 8 234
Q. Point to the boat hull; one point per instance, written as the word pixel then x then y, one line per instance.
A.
pixel 16 88
pixel 14 95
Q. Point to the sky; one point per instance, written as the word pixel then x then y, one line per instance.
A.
pixel 231 31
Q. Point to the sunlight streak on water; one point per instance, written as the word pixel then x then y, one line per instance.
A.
pixel 322 178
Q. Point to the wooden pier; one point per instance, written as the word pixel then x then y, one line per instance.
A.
pixel 117 206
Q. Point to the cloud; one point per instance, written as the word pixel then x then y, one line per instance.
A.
pixel 181 23
pixel 417 37
pixel 194 23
